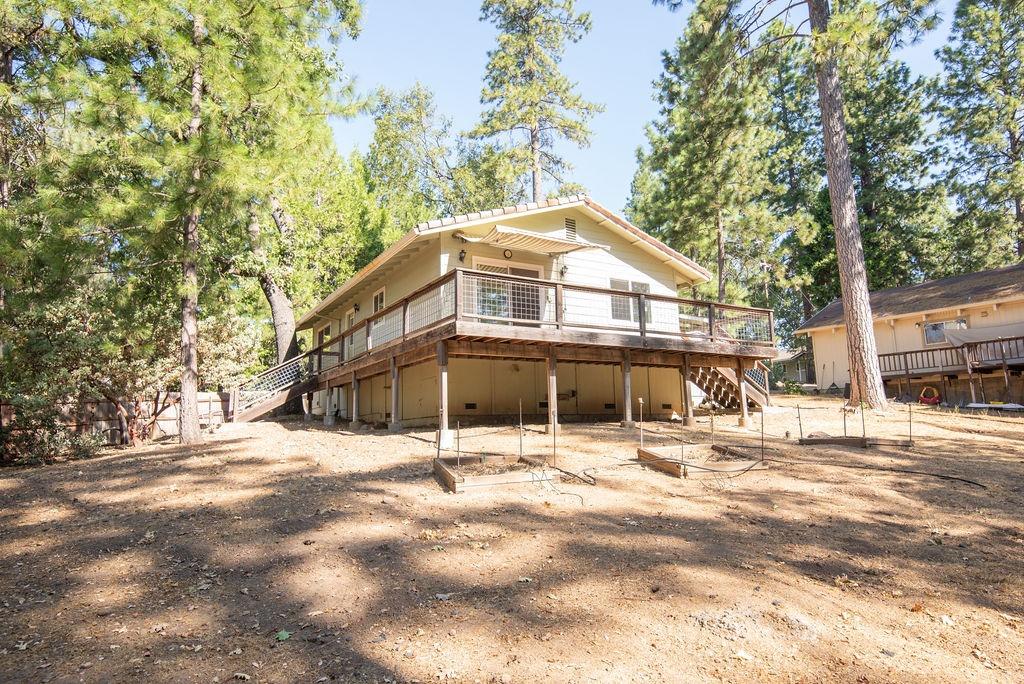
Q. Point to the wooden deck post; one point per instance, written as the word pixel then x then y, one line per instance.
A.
pixel 307 406
pixel 741 383
pixel 627 391
pixel 355 423
pixel 552 368
pixel 445 437
pixel 396 404
pixel 332 406
pixel 684 386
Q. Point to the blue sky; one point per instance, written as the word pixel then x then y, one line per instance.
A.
pixel 442 44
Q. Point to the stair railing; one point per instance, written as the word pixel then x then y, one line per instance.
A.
pixel 265 385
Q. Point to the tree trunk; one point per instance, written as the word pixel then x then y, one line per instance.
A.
pixel 535 167
pixel 865 376
pixel 720 227
pixel 281 311
pixel 188 410
pixel 1018 201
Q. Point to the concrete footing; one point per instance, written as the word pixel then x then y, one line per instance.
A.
pixel 446 438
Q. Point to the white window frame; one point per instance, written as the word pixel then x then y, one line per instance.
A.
pixel 384 301
pixel 477 261
pixel 924 329
pixel 350 314
pixel 634 314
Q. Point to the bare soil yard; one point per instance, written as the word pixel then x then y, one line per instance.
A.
pixel 285 552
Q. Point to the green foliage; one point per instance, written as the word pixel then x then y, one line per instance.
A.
pixel 981 105
pixel 529 98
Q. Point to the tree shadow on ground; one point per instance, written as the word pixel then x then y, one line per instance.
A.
pixel 289 563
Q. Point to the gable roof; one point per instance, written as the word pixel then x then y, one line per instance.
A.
pixel 679 263
pixel 946 293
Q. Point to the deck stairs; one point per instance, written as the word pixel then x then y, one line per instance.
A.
pixel 719 386
pixel 273 388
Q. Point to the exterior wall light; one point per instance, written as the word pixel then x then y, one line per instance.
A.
pixel 462 256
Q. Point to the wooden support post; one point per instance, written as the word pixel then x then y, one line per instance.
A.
pixel 355 423
pixel 559 305
pixel 396 403
pixel 684 386
pixel 627 391
pixel 741 384
pixel 445 437
pixel 332 406
pixel 307 407
pixel 552 368
pixel 970 373
pixel 1006 369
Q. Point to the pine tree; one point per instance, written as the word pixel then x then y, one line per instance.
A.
pixel 188 97
pixel 700 186
pixel 529 97
pixel 981 103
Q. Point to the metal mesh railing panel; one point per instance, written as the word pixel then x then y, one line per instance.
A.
pixel 269 383
pixel 355 343
pixel 432 306
pixel 585 308
pixel 747 325
pixel 386 328
pixel 493 298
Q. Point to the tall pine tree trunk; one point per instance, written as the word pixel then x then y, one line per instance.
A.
pixel 720 227
pixel 188 408
pixel 535 168
pixel 865 376
pixel 1018 201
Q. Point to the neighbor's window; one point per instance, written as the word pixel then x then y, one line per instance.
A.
pixel 627 308
pixel 378 300
pixel 935 333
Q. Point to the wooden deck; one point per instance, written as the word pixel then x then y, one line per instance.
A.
pixel 483 315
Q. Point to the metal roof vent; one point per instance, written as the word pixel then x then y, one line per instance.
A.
pixel 570 229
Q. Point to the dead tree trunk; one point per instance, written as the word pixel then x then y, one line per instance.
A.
pixel 865 376
pixel 188 410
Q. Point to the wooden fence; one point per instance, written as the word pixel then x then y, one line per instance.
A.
pixel 100 417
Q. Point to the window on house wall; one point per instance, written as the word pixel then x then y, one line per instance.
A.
pixel 378 300
pixel 627 308
pixel 935 332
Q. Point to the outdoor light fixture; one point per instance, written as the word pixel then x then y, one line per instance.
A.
pixel 507 253
pixel 563 270
pixel 462 255
pixel 355 307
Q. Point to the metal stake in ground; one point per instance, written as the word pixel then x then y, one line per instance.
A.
pixel 712 425
pixel 800 421
pixel 910 422
pixel 458 444
pixel 762 434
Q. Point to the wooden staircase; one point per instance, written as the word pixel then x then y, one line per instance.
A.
pixel 272 388
pixel 719 384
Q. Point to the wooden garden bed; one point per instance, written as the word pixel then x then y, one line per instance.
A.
pixel 862 442
pixel 692 460
pixel 459 474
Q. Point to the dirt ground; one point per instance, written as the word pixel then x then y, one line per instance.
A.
pixel 287 552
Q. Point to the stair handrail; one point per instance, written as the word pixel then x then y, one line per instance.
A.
pixel 243 398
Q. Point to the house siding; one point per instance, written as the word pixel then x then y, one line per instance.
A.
pixel 902 335
pixel 495 386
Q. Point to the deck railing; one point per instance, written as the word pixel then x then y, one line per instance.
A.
pixel 534 303
pixel 521 302
pixel 984 354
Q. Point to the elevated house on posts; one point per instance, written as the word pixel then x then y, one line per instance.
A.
pixel 962 337
pixel 559 309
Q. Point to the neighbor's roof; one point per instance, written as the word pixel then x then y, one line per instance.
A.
pixel 681 264
pixel 947 293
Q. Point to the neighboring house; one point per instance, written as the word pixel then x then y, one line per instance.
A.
pixel 797 366
pixel 492 313
pixel 963 336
